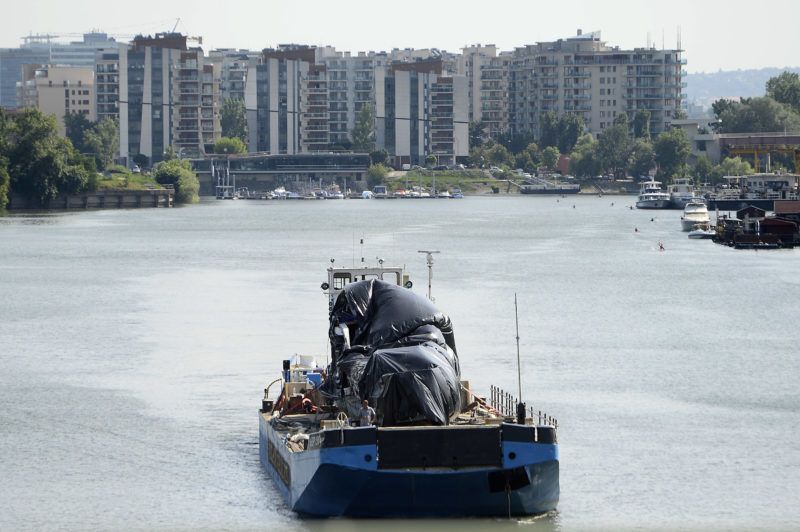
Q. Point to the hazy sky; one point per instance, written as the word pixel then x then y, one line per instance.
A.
pixel 716 35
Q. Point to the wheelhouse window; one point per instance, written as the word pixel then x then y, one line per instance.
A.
pixel 340 280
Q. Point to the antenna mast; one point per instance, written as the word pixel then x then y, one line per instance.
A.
pixel 430 268
pixel 520 404
pixel 519 369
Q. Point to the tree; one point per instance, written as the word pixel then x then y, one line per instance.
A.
pixel 180 175
pixel 379 156
pixel 229 145
pixel 584 160
pixel 476 134
pixel 42 164
pixel 76 125
pixel 570 128
pixel 785 89
pixel 102 141
pixel 363 134
pixel 641 124
pixel 498 155
pixel 5 183
pixel 430 160
pixel 548 134
pixel 614 146
pixel 672 148
pixel 753 115
pixel 703 168
pixel 516 142
pixel 233 119
pixel 731 166
pixel 642 158
pixel 376 173
pixel 550 157
pixel 141 160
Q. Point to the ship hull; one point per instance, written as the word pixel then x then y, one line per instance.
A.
pixel 347 480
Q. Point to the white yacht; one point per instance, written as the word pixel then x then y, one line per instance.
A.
pixel 694 213
pixel 681 192
pixel 652 197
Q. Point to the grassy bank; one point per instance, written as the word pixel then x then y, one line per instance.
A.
pixel 469 181
pixel 119 178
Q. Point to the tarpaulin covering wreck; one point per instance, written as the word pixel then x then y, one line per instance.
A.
pixel 394 348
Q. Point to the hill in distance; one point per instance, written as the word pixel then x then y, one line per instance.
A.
pixel 704 88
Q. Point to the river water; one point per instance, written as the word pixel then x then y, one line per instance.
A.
pixel 135 345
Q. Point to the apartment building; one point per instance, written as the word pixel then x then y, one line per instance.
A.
pixel 493 94
pixel 57 90
pixel 273 92
pixel 471 63
pixel 168 97
pixel 106 84
pixel 583 75
pixel 421 111
pixel 233 65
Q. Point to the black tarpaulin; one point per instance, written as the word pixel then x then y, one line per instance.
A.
pixel 402 354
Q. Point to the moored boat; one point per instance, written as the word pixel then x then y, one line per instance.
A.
pixel 695 212
pixel 652 197
pixel 681 192
pixel 432 448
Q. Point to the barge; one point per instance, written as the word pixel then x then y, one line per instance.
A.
pixel 435 448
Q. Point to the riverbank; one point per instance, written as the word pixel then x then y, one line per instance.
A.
pixel 102 199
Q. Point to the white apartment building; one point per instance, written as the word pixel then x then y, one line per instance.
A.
pixel 168 97
pixel 471 63
pixel 584 76
pixel 494 94
pixel 57 90
pixel 233 65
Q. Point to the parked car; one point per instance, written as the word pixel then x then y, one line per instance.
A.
pixel 136 169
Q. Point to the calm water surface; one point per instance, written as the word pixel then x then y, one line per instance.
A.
pixel 134 346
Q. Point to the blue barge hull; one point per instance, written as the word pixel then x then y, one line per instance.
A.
pixel 356 471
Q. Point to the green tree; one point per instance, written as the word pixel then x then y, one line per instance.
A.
pixel 363 134
pixel 499 155
pixel 5 183
pixel 584 159
pixel 379 156
pixel 570 128
pixel 141 160
pixel 703 168
pixel 430 160
pixel 477 130
pixel 642 158
pixel 753 115
pixel 614 146
pixel 731 166
pixel 548 132
pixel 376 173
pixel 76 125
pixel 516 142
pixel 41 163
pixel 233 119
pixel 672 148
pixel 102 140
pixel 170 153
pixel 230 146
pixel 180 175
pixel 785 89
pixel 641 124
pixel 550 157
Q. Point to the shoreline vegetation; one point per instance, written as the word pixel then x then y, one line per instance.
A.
pixel 40 166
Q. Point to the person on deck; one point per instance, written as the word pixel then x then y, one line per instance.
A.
pixel 367 414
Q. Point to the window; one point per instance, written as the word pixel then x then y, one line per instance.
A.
pixel 340 280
